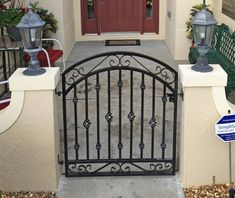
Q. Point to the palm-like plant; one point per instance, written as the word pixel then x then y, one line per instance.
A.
pixel 192 13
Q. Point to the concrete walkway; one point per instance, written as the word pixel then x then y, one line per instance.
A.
pixel 121 187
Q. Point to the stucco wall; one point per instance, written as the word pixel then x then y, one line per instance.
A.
pixel 220 17
pixel 68 26
pixel 23 163
pixel 203 156
pixel 30 144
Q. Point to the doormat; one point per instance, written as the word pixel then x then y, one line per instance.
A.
pixel 131 42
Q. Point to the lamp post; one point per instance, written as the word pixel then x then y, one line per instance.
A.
pixel 203 24
pixel 31 28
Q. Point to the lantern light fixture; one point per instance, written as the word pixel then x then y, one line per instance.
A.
pixel 203 24
pixel 31 29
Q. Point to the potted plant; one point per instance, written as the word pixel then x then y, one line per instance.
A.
pixel 192 13
pixel 50 25
pixel 10 16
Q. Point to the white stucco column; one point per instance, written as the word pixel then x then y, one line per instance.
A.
pixel 202 155
pixel 29 145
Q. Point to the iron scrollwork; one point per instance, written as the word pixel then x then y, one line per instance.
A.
pixel 119 59
pixel 162 166
pixel 120 168
pixel 164 73
pixel 80 168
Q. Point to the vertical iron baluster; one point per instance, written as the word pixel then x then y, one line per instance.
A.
pixel 97 87
pixel 65 125
pixel 153 120
pixel 109 118
pixel 175 122
pixel 15 60
pixel 141 145
pixel 163 144
pixel 9 63
pixel 21 51
pixel 4 65
pixel 75 101
pixel 120 84
pixel 131 115
pixel 87 121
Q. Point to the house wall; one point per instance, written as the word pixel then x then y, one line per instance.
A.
pixel 220 17
pixel 80 37
pixel 176 28
pixel 63 11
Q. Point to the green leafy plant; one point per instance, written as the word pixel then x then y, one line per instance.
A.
pixel 192 13
pixel 11 17
pixel 48 17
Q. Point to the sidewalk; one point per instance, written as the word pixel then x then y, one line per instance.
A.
pixel 121 187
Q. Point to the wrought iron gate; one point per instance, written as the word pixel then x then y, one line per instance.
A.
pixel 119 116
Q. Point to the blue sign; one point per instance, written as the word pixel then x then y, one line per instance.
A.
pixel 225 128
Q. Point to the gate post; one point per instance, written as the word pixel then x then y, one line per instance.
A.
pixel 30 144
pixel 203 157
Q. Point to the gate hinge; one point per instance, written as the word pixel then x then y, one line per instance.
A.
pixel 172 98
pixel 181 94
pixel 58 92
pixel 61 162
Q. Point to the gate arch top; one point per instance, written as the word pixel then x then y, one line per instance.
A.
pixel 120 60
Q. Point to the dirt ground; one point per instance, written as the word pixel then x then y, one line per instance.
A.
pixel 27 195
pixel 208 191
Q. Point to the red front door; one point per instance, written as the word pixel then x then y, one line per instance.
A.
pixel 100 16
pixel 120 15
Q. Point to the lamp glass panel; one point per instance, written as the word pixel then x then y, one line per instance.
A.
pixel 25 35
pixel 31 37
pixel 91 9
pixel 199 35
pixel 35 37
pixel 209 35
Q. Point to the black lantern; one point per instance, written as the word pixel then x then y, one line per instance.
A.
pixel 31 28
pixel 203 24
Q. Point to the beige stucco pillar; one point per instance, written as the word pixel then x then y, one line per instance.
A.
pixel 203 157
pixel 29 136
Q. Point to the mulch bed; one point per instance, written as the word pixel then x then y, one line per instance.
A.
pixel 27 195
pixel 208 191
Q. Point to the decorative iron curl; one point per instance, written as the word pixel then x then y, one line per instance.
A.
pixel 119 61
pixel 161 166
pixel 80 168
pixel 120 168
pixel 74 74
pixel 165 74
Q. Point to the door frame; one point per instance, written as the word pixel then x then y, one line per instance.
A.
pixel 94 25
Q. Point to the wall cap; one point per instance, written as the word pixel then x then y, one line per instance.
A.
pixel 190 78
pixel 46 81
